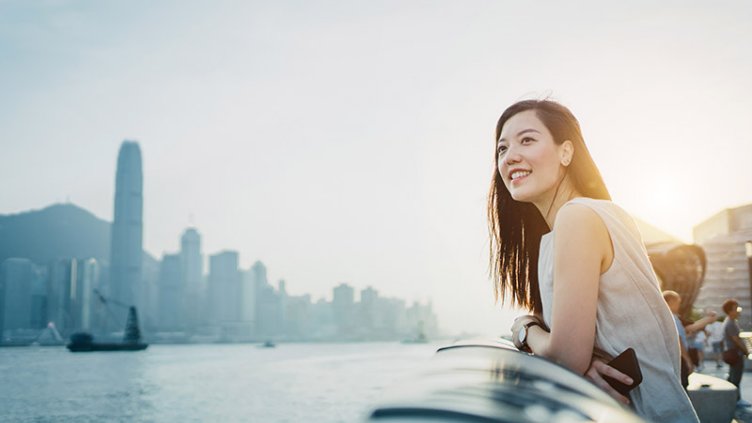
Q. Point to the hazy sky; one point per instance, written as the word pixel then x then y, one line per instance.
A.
pixel 351 141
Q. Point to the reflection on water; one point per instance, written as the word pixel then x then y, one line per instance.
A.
pixel 293 382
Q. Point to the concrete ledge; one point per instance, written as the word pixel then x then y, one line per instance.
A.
pixel 714 399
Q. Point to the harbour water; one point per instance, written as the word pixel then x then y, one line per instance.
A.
pixel 204 383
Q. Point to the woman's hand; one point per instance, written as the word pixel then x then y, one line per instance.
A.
pixel 598 369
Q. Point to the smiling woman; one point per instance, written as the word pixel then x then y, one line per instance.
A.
pixel 563 250
pixel 532 124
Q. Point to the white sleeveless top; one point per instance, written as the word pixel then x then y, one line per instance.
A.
pixel 631 313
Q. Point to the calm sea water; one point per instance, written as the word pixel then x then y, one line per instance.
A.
pixel 203 383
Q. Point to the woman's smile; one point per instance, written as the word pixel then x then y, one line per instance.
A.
pixel 517 177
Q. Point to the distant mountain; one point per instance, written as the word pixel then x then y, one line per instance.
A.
pixel 57 231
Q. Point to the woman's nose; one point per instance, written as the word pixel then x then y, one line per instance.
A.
pixel 512 157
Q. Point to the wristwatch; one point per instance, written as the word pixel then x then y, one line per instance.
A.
pixel 521 341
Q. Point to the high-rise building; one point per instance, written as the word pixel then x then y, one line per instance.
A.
pixel 283 300
pixel 369 311
pixel 343 296
pixel 39 297
pixel 62 272
pixel 190 257
pixel 298 317
pixel 15 295
pixel 224 287
pixel 127 229
pixel 85 299
pixel 343 306
pixel 248 299
pixel 268 309
pixel 723 237
pixel 192 269
pixel 171 293
pixel 71 302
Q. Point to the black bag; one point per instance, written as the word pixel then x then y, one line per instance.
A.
pixel 731 357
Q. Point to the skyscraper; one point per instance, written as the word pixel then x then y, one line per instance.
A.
pixel 343 305
pixel 88 274
pixel 266 302
pixel 224 287
pixel 15 294
pixel 171 293
pixel 192 271
pixel 127 228
pixel 62 282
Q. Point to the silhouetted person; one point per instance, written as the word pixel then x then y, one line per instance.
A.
pixel 673 300
pixel 732 342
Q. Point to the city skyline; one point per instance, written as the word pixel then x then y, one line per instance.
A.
pixel 69 292
pixel 352 142
pixel 235 305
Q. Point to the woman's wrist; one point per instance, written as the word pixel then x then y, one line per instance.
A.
pixel 522 329
pixel 537 337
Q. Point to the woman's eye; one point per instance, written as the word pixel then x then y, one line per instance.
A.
pixel 527 140
pixel 501 149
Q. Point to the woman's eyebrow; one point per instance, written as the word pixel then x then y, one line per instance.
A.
pixel 523 132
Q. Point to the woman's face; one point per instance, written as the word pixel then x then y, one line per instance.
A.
pixel 529 161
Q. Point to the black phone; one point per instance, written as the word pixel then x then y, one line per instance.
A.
pixel 626 363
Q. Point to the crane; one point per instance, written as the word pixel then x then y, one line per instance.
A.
pixel 132 333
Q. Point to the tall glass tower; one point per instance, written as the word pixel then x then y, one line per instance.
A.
pixel 192 273
pixel 127 229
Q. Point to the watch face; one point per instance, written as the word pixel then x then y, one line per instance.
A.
pixel 521 335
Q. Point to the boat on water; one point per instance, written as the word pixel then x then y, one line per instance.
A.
pixel 84 342
pixel 268 344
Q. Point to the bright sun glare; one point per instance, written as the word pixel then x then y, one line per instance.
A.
pixel 662 204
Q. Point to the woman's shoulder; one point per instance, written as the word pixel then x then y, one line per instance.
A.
pixel 594 202
pixel 601 206
pixel 580 221
pixel 611 214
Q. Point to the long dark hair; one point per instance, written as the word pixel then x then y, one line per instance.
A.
pixel 516 227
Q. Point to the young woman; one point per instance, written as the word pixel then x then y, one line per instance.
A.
pixel 576 261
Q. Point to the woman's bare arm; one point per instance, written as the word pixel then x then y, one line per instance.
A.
pixel 581 247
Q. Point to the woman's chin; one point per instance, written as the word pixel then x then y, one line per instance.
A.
pixel 521 197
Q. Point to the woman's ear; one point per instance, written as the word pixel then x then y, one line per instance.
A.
pixel 567 152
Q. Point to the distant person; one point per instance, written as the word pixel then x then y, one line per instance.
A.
pixel 733 343
pixel 673 300
pixel 716 341
pixel 576 261
pixel 700 341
